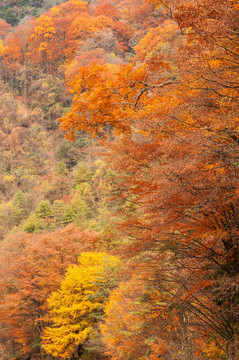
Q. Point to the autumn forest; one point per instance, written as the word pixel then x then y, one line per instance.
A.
pixel 119 180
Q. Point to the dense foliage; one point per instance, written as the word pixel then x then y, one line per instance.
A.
pixel 146 93
pixel 14 11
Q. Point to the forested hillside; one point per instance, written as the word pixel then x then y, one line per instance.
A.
pixel 15 11
pixel 119 188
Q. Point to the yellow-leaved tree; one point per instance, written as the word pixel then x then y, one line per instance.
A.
pixel 75 308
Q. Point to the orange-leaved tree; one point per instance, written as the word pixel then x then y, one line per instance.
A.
pixel 179 112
